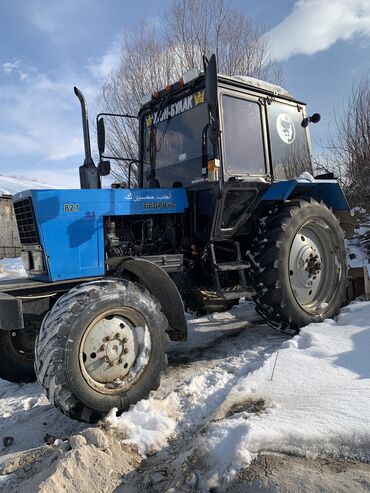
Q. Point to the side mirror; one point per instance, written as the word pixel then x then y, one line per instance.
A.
pixel 211 84
pixel 104 168
pixel 315 118
pixel 101 135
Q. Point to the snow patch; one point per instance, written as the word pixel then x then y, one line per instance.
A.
pixel 148 424
pixel 305 176
pixel 318 388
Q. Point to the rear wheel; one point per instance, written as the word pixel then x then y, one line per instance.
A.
pixel 298 265
pixel 101 346
pixel 17 355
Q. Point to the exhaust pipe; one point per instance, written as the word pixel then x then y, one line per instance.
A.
pixel 89 174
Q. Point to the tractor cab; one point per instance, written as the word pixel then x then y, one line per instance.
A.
pixel 212 128
pixel 225 140
pixel 184 142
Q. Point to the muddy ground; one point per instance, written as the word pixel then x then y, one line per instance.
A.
pixel 98 461
pixel 51 454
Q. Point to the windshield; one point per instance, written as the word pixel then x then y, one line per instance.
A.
pixel 173 142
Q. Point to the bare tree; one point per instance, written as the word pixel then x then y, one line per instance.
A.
pixel 348 154
pixel 154 57
pixel 197 27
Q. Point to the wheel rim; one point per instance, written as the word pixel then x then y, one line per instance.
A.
pixel 115 350
pixel 314 267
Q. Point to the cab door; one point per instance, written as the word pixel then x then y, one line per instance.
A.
pixel 245 159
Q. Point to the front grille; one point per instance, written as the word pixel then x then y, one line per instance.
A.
pixel 26 222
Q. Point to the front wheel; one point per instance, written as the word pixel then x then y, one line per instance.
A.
pixel 101 346
pixel 298 265
pixel 17 355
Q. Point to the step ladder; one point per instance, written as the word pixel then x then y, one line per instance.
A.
pixel 238 265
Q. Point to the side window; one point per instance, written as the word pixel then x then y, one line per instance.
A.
pixel 289 146
pixel 243 138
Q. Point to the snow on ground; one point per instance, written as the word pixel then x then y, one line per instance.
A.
pixel 221 349
pixel 237 388
pixel 27 417
pixel 317 394
pixel 311 396
pixel 194 398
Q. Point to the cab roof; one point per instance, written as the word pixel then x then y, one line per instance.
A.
pixel 241 81
pixel 257 83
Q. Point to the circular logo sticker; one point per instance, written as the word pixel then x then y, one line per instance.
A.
pixel 285 128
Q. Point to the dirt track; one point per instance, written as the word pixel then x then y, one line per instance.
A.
pixel 286 474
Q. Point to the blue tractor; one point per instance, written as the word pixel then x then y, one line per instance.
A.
pixel 224 206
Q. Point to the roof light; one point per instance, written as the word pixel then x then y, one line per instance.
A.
pixel 191 74
pixel 146 98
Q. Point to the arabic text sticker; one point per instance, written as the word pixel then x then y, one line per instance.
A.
pixel 285 128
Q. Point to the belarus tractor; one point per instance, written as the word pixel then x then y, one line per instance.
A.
pixel 224 207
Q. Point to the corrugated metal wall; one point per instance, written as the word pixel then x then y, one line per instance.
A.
pixel 10 246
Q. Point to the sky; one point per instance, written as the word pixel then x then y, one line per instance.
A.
pixel 49 46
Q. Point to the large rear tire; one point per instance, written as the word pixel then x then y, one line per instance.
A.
pixel 298 265
pixel 17 355
pixel 101 346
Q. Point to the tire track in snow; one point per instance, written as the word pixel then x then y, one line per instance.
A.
pixel 201 375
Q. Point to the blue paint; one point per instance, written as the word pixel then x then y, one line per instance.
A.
pixel 329 191
pixel 71 223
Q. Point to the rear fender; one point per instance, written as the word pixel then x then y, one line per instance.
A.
pixel 162 287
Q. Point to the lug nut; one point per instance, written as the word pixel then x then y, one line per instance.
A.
pixel 120 360
pixel 106 339
pixel 125 351
pixel 111 363
pixel 124 340
pixel 105 359
pixel 117 335
pixel 102 347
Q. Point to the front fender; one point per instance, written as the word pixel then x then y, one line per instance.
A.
pixel 162 287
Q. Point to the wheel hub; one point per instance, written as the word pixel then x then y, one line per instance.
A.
pixel 114 350
pixel 313 265
pixel 109 350
pixel 306 267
